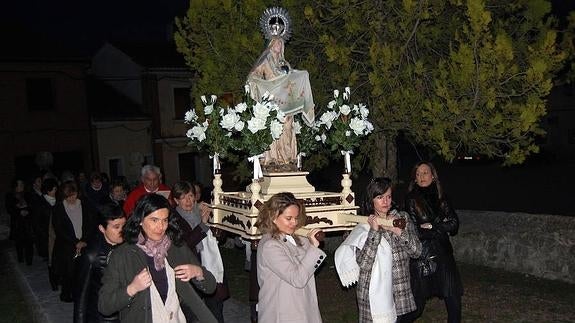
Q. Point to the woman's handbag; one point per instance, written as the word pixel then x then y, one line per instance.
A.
pixel 426 262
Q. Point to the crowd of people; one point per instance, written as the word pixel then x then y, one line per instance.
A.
pixel 150 256
pixel 86 228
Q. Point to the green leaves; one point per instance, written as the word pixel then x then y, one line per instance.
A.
pixel 453 76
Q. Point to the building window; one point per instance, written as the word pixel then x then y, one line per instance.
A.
pixel 39 94
pixel 116 167
pixel 182 102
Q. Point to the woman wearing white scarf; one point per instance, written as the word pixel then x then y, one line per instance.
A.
pixel 377 257
pixel 193 219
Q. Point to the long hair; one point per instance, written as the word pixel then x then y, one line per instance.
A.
pixel 413 184
pixel 376 187
pixel 275 206
pixel 145 206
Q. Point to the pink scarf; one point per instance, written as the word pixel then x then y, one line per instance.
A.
pixel 155 249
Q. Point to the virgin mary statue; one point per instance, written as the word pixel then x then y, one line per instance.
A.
pixel 290 88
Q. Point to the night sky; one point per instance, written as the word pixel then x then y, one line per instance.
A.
pixel 89 23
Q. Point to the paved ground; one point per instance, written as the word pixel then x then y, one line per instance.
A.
pixel 46 305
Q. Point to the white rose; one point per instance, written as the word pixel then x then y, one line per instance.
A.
pixel 357 125
pixel 241 107
pixel 347 133
pixel 208 109
pixel 203 97
pixel 198 132
pixel 297 127
pixel 335 93
pixel 368 127
pixel 276 129
pixel 327 118
pixel 239 126
pixel 256 124
pixel 229 120
pixel 331 104
pixel 272 106
pixel 214 98
pixel 190 116
pixel 346 93
pixel 261 111
pixel 363 110
pixel 345 109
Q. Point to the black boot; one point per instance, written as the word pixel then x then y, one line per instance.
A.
pixel 52 278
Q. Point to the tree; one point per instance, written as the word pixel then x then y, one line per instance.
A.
pixel 452 75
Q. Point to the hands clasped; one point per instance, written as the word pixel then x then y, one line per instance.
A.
pixel 189 271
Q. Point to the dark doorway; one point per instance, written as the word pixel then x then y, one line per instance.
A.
pixel 187 165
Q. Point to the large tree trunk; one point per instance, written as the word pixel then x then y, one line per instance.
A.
pixel 385 160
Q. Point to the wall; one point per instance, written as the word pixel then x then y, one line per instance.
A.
pixel 24 132
pixel 536 244
pixel 129 141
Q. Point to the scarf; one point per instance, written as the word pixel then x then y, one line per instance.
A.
pixel 74 212
pixel 51 200
pixel 381 300
pixel 155 249
pixel 192 217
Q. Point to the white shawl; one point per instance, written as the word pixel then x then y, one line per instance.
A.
pixel 380 286
pixel 211 257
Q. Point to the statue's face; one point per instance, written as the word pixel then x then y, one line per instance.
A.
pixel 277 46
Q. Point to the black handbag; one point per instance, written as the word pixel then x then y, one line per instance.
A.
pixel 426 262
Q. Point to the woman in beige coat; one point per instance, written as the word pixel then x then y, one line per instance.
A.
pixel 286 263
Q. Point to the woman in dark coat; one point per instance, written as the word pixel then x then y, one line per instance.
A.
pixel 435 273
pixel 147 277
pixel 73 224
pixel 193 215
pixel 21 221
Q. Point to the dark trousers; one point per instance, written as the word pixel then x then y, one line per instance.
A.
pixel 25 250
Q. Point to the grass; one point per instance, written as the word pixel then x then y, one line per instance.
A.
pixel 13 304
pixel 491 295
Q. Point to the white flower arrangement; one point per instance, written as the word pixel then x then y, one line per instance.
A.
pixel 344 124
pixel 249 127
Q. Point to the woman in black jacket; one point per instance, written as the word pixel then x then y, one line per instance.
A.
pixel 90 266
pixel 435 273
pixel 21 221
pixel 73 224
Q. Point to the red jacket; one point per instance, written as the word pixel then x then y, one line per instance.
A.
pixel 135 195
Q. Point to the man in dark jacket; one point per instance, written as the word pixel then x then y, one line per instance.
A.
pixel 91 264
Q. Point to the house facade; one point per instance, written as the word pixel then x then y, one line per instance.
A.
pixel 155 77
pixel 43 112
